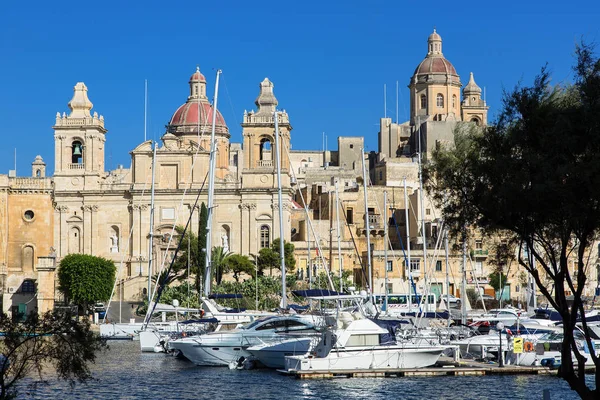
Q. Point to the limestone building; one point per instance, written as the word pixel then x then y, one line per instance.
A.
pixel 107 213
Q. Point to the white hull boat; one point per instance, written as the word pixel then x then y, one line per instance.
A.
pixel 221 349
pixel 376 358
pixel 272 355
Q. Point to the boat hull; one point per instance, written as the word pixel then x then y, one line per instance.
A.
pixel 273 355
pixel 379 358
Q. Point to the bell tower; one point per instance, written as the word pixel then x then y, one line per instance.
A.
pixel 79 138
pixel 474 108
pixel 258 130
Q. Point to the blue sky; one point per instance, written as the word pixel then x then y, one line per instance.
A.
pixel 329 61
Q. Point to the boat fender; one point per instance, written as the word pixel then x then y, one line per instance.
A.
pixel 201 313
pixel 528 347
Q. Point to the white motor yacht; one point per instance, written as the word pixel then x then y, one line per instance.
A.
pixel 223 348
pixel 356 344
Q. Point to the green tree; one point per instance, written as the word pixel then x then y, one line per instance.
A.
pixel 201 247
pixel 267 258
pixel 240 264
pixel 495 280
pixel 219 263
pixel 288 251
pixel 86 279
pixel 536 175
pixel 53 339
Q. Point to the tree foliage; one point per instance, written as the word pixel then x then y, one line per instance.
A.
pixel 86 279
pixel 219 265
pixel 240 264
pixel 201 247
pixel 536 175
pixel 53 339
pixel 269 257
pixel 497 280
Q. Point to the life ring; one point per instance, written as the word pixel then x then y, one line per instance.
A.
pixel 201 313
pixel 528 347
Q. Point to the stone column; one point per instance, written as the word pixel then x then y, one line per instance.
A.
pixel 95 237
pixel 61 229
pixel 87 229
pixel 251 229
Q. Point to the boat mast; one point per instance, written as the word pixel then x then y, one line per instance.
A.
pixel 463 285
pixel 423 236
pixel 447 275
pixel 150 244
pixel 385 249
pixel 406 216
pixel 211 192
pixel 367 227
pixel 339 234
pixel 280 200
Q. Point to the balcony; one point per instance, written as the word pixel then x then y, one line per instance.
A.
pixel 265 163
pixel 76 166
pixel 479 253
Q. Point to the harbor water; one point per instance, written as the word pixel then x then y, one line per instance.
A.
pixel 123 372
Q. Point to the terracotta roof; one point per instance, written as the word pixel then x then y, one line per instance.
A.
pixel 187 114
pixel 435 65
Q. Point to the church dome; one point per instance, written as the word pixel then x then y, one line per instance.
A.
pixel 196 111
pixel 435 67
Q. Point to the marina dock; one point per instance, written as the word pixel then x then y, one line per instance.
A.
pixel 443 368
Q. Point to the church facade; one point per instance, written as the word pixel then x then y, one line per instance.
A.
pixel 84 208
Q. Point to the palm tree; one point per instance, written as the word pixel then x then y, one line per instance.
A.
pixel 219 263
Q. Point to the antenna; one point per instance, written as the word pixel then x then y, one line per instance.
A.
pixel 484 95
pixel 15 161
pixel 397 120
pixel 384 101
pixel 145 106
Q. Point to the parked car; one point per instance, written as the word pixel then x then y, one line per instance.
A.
pixel 486 297
pixel 100 309
pixel 453 300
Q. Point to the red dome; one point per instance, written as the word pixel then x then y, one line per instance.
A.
pixel 187 114
pixel 197 76
pixel 435 65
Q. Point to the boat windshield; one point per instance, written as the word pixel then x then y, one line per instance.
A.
pixel 253 324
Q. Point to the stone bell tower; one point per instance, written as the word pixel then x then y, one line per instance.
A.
pixel 258 130
pixel 79 138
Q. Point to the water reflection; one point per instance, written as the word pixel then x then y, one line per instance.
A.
pixel 125 373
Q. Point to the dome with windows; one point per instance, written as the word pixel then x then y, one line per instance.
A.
pixel 435 67
pixel 196 114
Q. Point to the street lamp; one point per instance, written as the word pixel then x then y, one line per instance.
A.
pixel 500 327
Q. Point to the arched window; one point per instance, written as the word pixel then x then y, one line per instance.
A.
pixel 77 152
pixel 28 258
pixel 453 101
pixel 423 101
pixel 28 286
pixel 265 150
pixel 476 120
pixel 440 100
pixel 265 236
pixel 38 173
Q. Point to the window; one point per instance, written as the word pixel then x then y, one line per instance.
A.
pixel 28 286
pixel 28 215
pixel 438 266
pixel 440 100
pixel 389 266
pixel 415 265
pixel 453 101
pixel 38 173
pixel 77 152
pixel 479 244
pixel 350 215
pixel 265 236
pixel 380 175
pixel 428 211
pixel 423 101
pixel 351 146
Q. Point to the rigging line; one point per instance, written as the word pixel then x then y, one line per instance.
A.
pixel 190 180
pixel 126 250
pixel 362 267
pixel 162 284
pixel 229 98
pixel 311 227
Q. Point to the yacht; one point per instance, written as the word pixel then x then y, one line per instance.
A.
pixel 225 348
pixel 356 344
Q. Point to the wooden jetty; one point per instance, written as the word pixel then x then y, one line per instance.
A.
pixel 441 369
